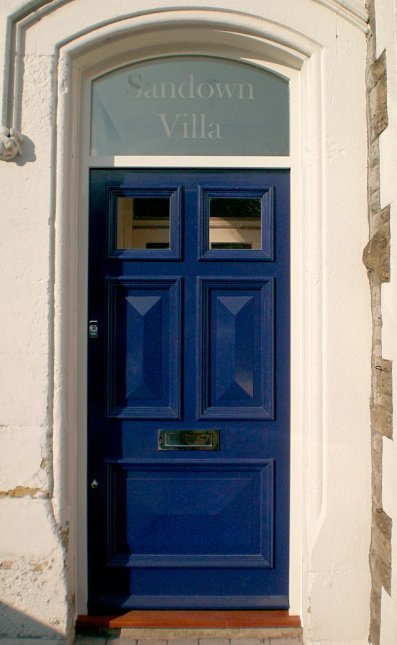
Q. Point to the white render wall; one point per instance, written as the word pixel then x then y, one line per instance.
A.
pixel 33 589
pixel 41 372
pixel 386 39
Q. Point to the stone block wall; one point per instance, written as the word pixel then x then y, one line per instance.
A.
pixel 377 259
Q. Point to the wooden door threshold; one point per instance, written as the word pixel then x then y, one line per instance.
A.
pixel 199 619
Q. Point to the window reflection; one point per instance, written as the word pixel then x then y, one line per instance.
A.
pixel 235 223
pixel 143 223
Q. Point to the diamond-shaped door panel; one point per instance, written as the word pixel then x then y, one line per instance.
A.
pixel 143 367
pixel 235 345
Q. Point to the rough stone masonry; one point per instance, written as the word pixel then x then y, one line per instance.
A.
pixel 376 257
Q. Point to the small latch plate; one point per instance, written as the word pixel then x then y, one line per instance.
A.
pixel 93 329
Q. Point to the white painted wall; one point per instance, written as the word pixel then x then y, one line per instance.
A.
pixel 43 259
pixel 386 38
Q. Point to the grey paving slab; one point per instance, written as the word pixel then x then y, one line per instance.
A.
pixel 246 641
pixel 32 641
pixel 263 634
pixel 124 638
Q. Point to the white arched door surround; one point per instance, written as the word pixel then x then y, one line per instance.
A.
pixel 234 51
pixel 328 183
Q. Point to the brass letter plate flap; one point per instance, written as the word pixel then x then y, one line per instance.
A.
pixel 188 440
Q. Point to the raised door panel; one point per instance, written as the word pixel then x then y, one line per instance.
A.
pixel 144 348
pixel 236 348
pixel 191 514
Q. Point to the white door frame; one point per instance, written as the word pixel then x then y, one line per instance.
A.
pixel 293 162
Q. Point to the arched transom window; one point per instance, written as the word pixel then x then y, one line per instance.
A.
pixel 190 105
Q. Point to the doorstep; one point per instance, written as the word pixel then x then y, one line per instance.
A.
pixel 164 627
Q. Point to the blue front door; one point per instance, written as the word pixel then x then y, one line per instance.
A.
pixel 188 389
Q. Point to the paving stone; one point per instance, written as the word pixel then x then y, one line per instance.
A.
pixel 197 635
pixel 142 641
pixel 183 641
pixel 94 640
pixel 32 641
pixel 285 641
pixel 214 641
pixel 246 641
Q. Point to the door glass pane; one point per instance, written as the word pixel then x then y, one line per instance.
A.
pixel 143 223
pixel 235 224
pixel 190 105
